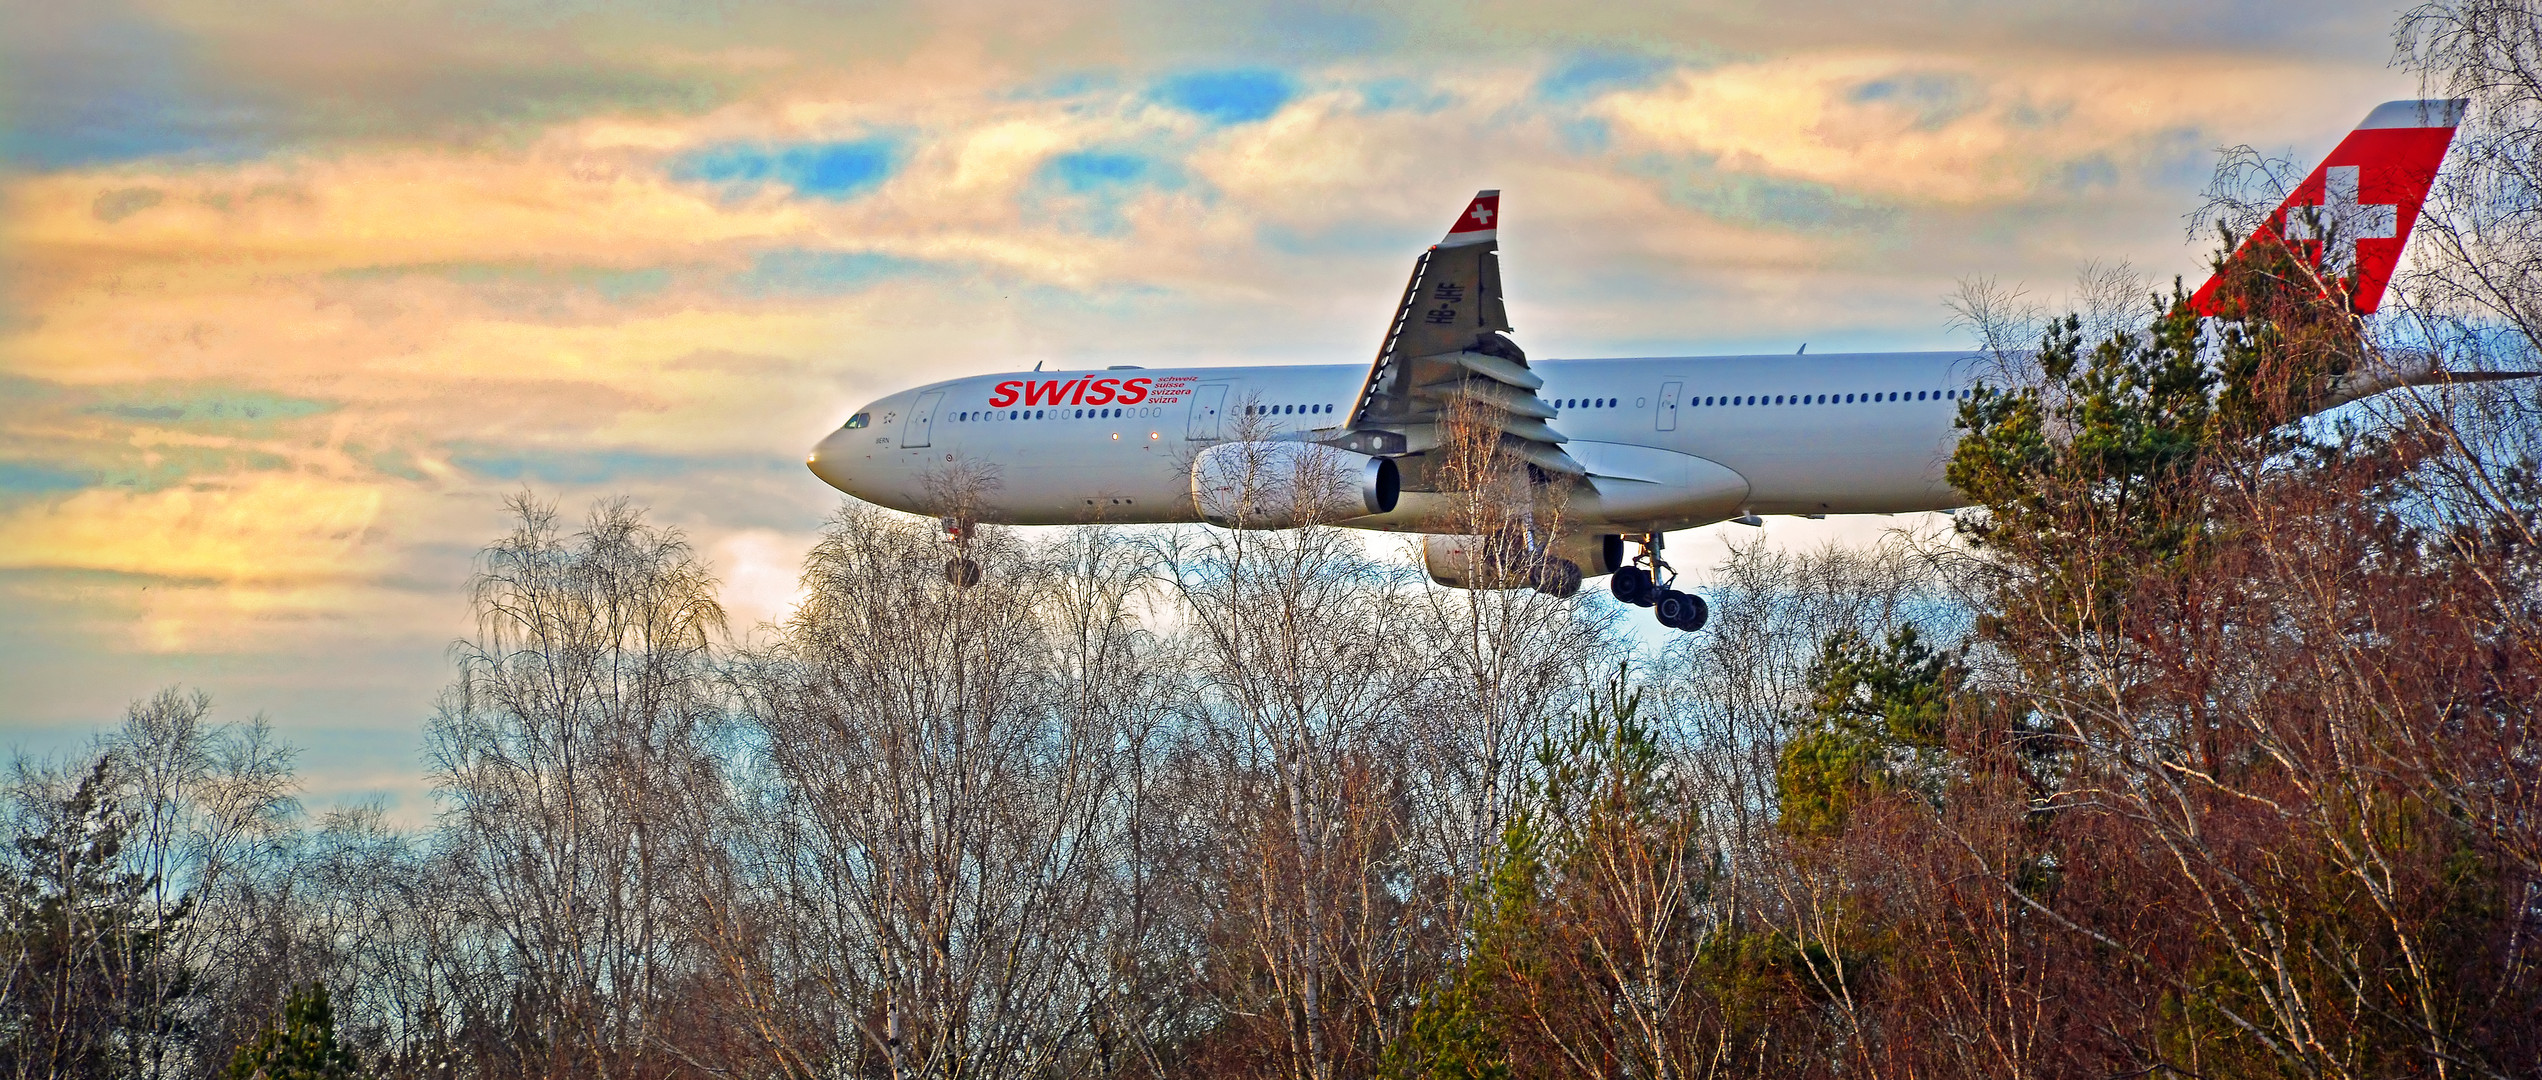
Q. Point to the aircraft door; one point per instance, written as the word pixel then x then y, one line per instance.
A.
pixel 921 425
pixel 1668 405
pixel 1208 401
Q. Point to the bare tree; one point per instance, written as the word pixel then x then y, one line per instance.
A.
pixel 578 713
pixel 1298 664
pixel 944 803
pixel 1503 661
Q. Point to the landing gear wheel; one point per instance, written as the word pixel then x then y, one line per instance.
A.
pixel 1632 585
pixel 961 573
pixel 1558 578
pixel 1682 611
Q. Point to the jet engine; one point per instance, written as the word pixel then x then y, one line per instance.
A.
pixel 1515 559
pixel 1282 485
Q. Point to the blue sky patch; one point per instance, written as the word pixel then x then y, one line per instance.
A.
pixel 1776 202
pixel 832 170
pixel 1090 187
pixel 1084 171
pixel 1403 95
pixel 1585 135
pixel 1234 96
pixel 1934 100
pixel 1585 76
pixel 114 87
pixel 2084 175
pixel 216 407
pixel 802 272
pixel 31 478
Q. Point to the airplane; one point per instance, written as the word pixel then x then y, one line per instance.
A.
pixel 1630 448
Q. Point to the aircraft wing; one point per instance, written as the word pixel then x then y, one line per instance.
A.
pixel 1446 348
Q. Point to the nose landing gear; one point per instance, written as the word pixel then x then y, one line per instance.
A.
pixel 1648 581
pixel 960 571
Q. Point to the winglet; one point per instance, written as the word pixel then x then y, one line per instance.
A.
pixel 1480 223
pixel 2351 217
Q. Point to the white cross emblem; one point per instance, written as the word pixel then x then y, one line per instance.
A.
pixel 1482 214
pixel 2342 217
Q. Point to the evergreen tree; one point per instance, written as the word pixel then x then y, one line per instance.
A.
pixel 1877 716
pixel 301 1047
pixel 84 930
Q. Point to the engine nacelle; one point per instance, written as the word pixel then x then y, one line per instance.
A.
pixel 1512 560
pixel 1282 485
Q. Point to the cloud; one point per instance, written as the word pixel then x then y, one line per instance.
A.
pixel 760 571
pixel 1952 130
pixel 87 85
pixel 580 467
pixel 788 272
pixel 255 528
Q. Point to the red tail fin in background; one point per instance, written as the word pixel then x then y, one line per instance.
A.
pixel 2358 205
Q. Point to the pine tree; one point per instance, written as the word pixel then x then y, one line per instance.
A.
pixel 301 1047
pixel 88 939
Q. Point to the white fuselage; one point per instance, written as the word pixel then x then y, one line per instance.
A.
pixel 1671 442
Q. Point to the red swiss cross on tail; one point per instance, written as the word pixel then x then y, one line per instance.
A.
pixel 2351 217
pixel 1479 223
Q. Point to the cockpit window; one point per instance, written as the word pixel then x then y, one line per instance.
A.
pixel 859 420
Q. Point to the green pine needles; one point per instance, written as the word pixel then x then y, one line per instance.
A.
pixel 301 1047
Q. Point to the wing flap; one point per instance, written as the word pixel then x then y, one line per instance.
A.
pixel 1488 393
pixel 1497 369
pixel 1549 458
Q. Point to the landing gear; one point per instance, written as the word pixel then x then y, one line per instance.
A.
pixel 1682 611
pixel 1648 581
pixel 959 571
pixel 1633 585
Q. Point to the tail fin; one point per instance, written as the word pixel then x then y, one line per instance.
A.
pixel 2350 218
pixel 1479 224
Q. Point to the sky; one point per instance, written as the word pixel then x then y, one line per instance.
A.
pixel 292 294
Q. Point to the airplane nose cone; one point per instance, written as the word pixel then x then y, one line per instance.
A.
pixel 835 461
